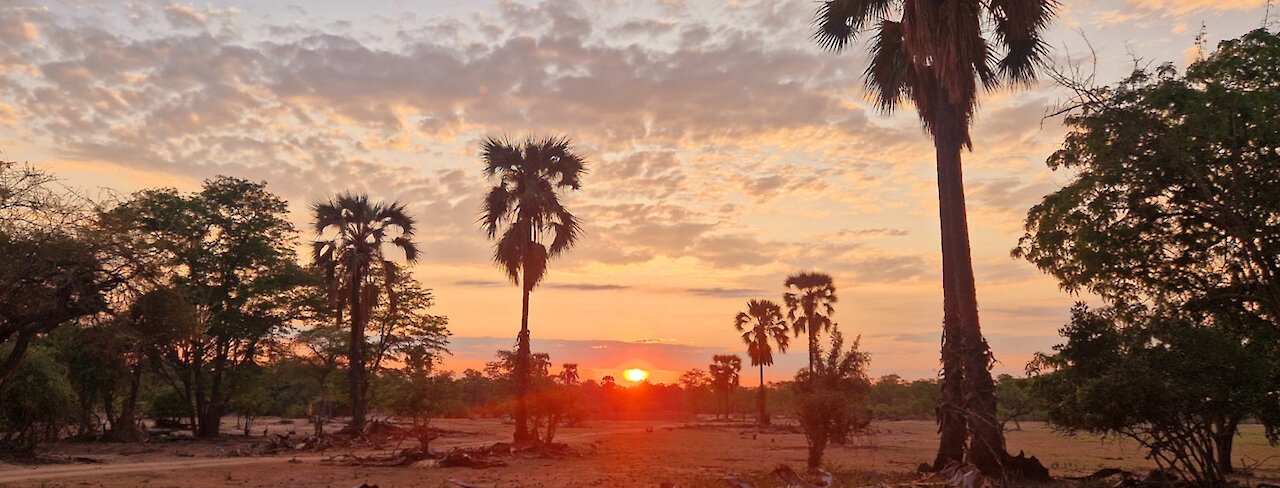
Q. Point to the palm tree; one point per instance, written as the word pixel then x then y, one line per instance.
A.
pixel 724 376
pixel 761 323
pixel 524 209
pixel 814 295
pixel 354 258
pixel 934 57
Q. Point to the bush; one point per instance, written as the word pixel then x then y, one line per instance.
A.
pixel 1178 389
pixel 832 401
pixel 37 403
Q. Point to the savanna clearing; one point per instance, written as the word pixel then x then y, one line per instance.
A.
pixel 604 453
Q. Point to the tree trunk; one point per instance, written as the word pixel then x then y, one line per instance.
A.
pixel 86 427
pixel 813 347
pixel 760 401
pixel 200 414
pixel 815 454
pixel 215 405
pixel 522 434
pixel 986 439
pixel 1223 439
pixel 10 365
pixel 125 427
pixel 355 356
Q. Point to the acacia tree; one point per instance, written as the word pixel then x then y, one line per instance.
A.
pixel 762 326
pixel 354 257
pixel 814 299
pixel 49 272
pixel 935 56
pixel 524 207
pixel 724 370
pixel 46 280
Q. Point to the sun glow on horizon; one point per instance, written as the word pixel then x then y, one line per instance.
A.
pixel 635 375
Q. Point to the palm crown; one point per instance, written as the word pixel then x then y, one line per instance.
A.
pixel 525 199
pixel 937 53
pixel 761 323
pixel 362 228
pixel 810 307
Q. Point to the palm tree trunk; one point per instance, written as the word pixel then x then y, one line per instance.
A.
pixel 522 373
pixel 760 400
pixel 986 439
pixel 952 427
pixel 355 357
pixel 813 347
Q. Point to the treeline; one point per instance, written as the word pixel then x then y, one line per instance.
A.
pixel 185 308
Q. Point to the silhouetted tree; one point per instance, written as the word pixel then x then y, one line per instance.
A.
pixel 49 272
pixel 725 370
pixel 524 206
pixel 46 280
pixel 810 306
pixel 762 325
pixel 935 57
pixel 229 250
pixel 354 257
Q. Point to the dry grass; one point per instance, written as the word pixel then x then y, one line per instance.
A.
pixel 612 454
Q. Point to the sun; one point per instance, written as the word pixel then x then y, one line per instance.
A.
pixel 636 375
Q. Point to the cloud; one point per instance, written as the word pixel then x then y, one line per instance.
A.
pixel 725 292
pixel 482 283
pixel 1009 195
pixel 1181 7
pixel 184 17
pixel 8 116
pixel 876 232
pixel 15 32
pixel 586 286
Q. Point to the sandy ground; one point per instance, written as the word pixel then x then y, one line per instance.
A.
pixel 609 454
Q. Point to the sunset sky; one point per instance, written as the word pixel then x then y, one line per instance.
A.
pixel 725 151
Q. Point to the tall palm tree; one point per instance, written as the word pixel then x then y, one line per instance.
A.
pixel 354 257
pixel 935 56
pixel 810 307
pixel 760 324
pixel 523 212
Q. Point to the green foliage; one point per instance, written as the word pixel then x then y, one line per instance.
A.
pixel 227 251
pixel 1015 401
pixel 46 279
pixel 832 401
pixel 1177 388
pixel 1172 218
pixel 892 398
pixel 37 403
pixel 406 333
pixel 419 395
pixel 1173 198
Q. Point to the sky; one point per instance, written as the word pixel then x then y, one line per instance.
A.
pixel 725 151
